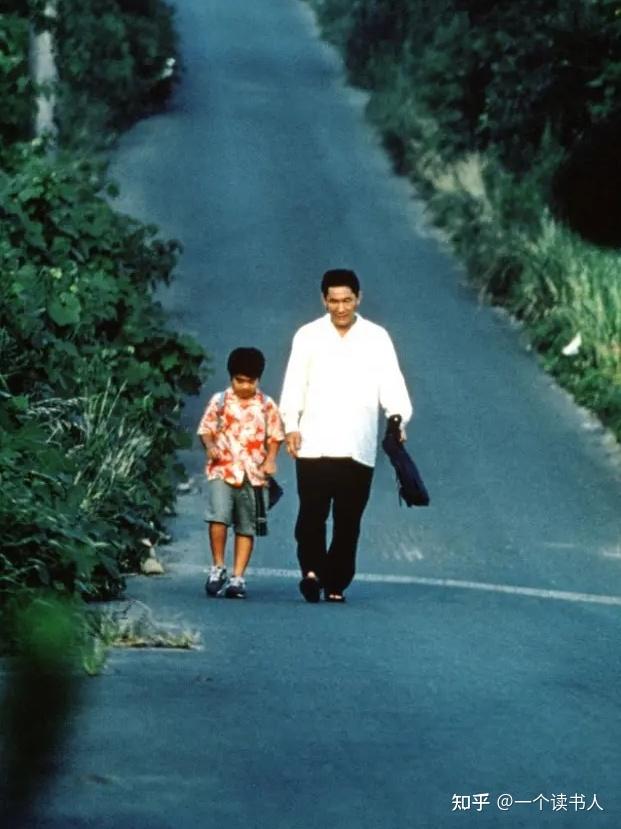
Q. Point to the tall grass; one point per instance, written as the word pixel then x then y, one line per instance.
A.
pixel 570 290
pixel 562 288
pixel 111 449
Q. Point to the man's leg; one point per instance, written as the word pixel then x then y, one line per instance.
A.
pixel 352 488
pixel 315 494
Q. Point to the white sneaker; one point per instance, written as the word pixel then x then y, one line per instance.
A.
pixel 216 581
pixel 236 588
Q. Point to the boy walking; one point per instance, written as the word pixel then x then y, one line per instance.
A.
pixel 241 431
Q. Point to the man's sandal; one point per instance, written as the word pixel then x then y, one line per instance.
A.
pixel 337 598
pixel 310 588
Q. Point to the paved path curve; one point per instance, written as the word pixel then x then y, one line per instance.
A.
pixel 479 650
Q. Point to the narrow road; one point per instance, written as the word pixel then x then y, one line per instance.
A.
pixel 478 653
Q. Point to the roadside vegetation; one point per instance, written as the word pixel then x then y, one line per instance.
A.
pixel 484 105
pixel 92 378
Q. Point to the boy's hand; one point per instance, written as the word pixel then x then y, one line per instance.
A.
pixel 212 453
pixel 268 467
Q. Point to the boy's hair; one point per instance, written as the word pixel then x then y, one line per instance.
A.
pixel 247 361
pixel 340 278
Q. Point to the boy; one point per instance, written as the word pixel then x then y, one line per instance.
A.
pixel 241 431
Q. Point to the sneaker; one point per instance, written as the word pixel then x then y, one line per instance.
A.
pixel 236 588
pixel 216 580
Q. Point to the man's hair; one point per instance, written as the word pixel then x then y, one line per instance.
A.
pixel 340 278
pixel 249 362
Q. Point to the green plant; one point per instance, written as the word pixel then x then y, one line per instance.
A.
pixel 481 110
pixel 16 91
pixel 93 379
pixel 119 56
pixel 132 625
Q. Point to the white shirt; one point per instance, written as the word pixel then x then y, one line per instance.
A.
pixel 334 385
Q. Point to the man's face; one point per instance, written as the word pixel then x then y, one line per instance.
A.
pixel 341 304
pixel 244 387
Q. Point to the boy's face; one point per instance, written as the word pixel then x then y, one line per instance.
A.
pixel 244 387
pixel 341 304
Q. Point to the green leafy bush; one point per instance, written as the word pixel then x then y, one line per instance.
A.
pixel 92 379
pixel 16 93
pixel 117 60
pixel 119 56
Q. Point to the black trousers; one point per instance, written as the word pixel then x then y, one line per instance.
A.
pixel 340 484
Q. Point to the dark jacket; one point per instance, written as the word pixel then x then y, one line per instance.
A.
pixel 412 490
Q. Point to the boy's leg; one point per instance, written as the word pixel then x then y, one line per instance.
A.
pixel 218 516
pixel 244 522
pixel 217 541
pixel 241 556
pixel 217 574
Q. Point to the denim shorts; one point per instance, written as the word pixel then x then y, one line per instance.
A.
pixel 233 505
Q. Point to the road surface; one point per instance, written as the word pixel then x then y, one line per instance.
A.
pixel 478 653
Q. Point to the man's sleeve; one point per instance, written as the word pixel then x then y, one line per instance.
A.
pixel 209 420
pixel 394 397
pixel 294 385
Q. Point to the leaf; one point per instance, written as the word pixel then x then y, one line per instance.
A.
pixel 31 192
pixel 43 573
pixel 168 361
pixel 20 403
pixel 137 373
pixel 65 310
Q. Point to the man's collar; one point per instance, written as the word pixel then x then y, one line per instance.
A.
pixel 328 321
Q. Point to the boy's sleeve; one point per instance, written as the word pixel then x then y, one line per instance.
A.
pixel 275 431
pixel 209 420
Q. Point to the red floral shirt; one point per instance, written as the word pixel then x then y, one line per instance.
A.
pixel 240 430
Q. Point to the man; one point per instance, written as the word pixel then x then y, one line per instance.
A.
pixel 341 369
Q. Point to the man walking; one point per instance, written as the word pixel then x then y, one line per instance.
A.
pixel 342 368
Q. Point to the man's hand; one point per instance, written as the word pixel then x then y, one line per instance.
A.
pixel 294 442
pixel 396 428
pixel 212 453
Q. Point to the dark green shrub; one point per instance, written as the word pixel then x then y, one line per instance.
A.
pixel 118 53
pixel 497 110
pixel 86 354
pixel 16 93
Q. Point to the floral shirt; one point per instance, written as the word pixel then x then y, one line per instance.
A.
pixel 240 430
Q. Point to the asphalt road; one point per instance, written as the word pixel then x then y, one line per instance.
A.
pixel 478 651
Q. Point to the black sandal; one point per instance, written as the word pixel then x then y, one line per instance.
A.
pixel 337 598
pixel 310 588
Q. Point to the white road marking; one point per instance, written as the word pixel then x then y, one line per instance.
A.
pixel 513 590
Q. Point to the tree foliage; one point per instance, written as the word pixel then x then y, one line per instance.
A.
pixel 496 73
pixel 504 112
pixel 117 60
